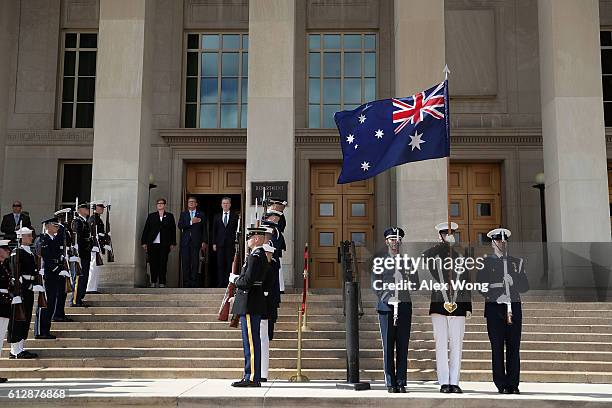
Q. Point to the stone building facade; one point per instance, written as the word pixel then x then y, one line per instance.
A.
pixel 207 96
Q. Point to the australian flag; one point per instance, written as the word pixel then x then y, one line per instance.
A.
pixel 389 132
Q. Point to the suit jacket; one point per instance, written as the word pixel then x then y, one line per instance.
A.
pixel 166 228
pixel 9 226
pixel 193 235
pixel 222 235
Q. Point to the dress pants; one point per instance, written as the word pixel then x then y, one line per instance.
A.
pixel 42 325
pixel 395 339
pixel 265 348
pixel 18 330
pixel 80 282
pixel 190 264
pixel 60 311
pixel 500 334
pixel 225 257
pixel 448 331
pixel 251 343
pixel 94 274
pixel 3 328
pixel 158 259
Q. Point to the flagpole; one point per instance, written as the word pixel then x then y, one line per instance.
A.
pixel 448 197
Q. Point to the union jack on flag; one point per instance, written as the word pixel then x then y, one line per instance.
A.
pixel 414 108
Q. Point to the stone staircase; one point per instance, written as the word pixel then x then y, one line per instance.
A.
pixel 174 333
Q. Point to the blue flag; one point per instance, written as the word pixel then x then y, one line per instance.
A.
pixel 386 133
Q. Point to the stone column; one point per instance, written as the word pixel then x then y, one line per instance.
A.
pixel 122 130
pixel 572 121
pixel 8 25
pixel 270 129
pixel 419 64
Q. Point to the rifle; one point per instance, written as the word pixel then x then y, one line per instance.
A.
pixel 75 259
pixel 231 288
pixel 39 280
pixel 19 313
pixel 96 242
pixel 65 265
pixel 110 254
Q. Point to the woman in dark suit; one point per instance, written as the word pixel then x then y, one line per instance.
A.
pixel 158 238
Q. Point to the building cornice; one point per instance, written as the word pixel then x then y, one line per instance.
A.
pixel 178 137
pixel 50 137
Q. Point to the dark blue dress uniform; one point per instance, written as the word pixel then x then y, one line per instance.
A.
pixel 250 305
pixel 272 282
pixel 505 376
pixel 18 330
pixel 52 253
pixel 395 337
pixel 82 231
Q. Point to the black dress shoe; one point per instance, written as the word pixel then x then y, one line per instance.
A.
pixel 402 389
pixel 392 390
pixel 24 355
pixel 263 380
pixel 78 305
pixel 246 383
pixel 506 391
pixel 455 389
pixel 445 388
pixel 3 380
pixel 63 319
pixel 501 390
pixel 514 390
pixel 45 337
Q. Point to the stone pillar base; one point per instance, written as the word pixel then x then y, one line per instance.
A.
pixel 120 275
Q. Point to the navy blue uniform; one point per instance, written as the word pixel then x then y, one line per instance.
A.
pixel 500 332
pixel 250 305
pixel 52 253
pixel 82 231
pixel 395 337
pixel 18 330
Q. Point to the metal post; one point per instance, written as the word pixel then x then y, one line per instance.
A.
pixel 299 377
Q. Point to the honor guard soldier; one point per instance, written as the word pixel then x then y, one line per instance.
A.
pixel 394 309
pixel 276 240
pixel 83 239
pixel 52 253
pixel 506 280
pixel 6 291
pixel 23 264
pixel 250 305
pixel 64 235
pixel 276 208
pixel 448 308
pixel 99 246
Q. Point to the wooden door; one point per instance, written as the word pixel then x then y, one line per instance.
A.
pixel 475 190
pixel 337 213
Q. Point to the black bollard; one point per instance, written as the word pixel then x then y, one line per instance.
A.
pixel 351 298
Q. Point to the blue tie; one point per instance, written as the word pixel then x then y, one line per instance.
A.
pixel 225 219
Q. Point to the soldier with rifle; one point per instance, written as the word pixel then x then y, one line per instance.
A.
pixel 99 246
pixel 83 245
pixel 506 280
pixel 25 271
pixel 250 305
pixel 6 291
pixel 66 237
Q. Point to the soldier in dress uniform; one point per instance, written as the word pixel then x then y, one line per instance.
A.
pixel 449 308
pixel 250 305
pixel 52 253
pixel 506 280
pixel 6 291
pixel 82 231
pixel 276 208
pixel 97 227
pixel 267 320
pixel 18 330
pixel 394 309
pixel 64 235
pixel 277 241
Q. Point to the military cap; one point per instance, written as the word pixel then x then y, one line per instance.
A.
pixel 51 221
pixel 443 227
pixel 252 231
pixel 394 232
pixel 4 243
pixel 273 212
pixel 499 234
pixel 23 231
pixel 272 200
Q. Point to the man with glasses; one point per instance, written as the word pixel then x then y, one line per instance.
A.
pixel 194 238
pixel 158 238
pixel 11 221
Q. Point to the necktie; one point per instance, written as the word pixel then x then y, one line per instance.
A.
pixel 192 214
pixel 16 219
pixel 225 219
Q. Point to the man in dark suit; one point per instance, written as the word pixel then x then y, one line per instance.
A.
pixel 194 238
pixel 224 234
pixel 10 222
pixel 158 238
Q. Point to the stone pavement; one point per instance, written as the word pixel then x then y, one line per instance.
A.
pixel 197 392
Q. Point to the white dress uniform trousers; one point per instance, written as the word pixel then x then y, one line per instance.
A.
pixel 265 348
pixel 448 331
pixel 94 274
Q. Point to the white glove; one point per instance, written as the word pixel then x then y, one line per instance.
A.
pixel 450 238
pixel 42 271
pixel 74 259
pixel 508 278
pixel 38 288
pixel 265 293
pixel 64 273
pixel 468 315
pixel 503 299
pixel 108 247
pixel 95 249
pixel 233 277
pixel 16 300
pixel 76 247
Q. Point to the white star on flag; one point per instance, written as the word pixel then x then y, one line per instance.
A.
pixel 362 118
pixel 379 134
pixel 365 166
pixel 350 139
pixel 415 141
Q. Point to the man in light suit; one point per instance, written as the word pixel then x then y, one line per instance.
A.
pixel 224 235
pixel 194 238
